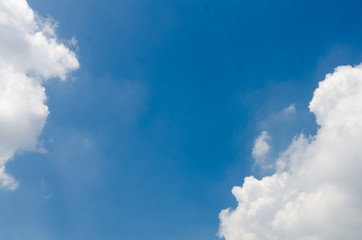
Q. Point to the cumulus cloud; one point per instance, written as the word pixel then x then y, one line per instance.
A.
pixel 30 53
pixel 316 190
pixel 261 147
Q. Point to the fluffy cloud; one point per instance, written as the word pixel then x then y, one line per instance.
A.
pixel 316 191
pixel 261 147
pixel 30 53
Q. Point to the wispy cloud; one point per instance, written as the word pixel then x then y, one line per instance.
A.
pixel 49 196
pixel 315 192
pixel 289 110
pixel 280 117
pixel 30 53
pixel 261 147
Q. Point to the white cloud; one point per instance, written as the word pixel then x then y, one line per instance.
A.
pixel 261 147
pixel 30 53
pixel 316 191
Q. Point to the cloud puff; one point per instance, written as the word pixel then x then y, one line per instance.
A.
pixel 316 191
pixel 261 147
pixel 30 53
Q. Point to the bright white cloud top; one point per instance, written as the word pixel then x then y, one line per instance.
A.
pixel 30 53
pixel 316 192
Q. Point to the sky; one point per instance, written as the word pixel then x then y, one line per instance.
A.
pixel 190 119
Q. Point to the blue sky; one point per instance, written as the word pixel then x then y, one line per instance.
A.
pixel 148 137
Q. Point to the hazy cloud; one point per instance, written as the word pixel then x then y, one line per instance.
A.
pixel 289 110
pixel 261 147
